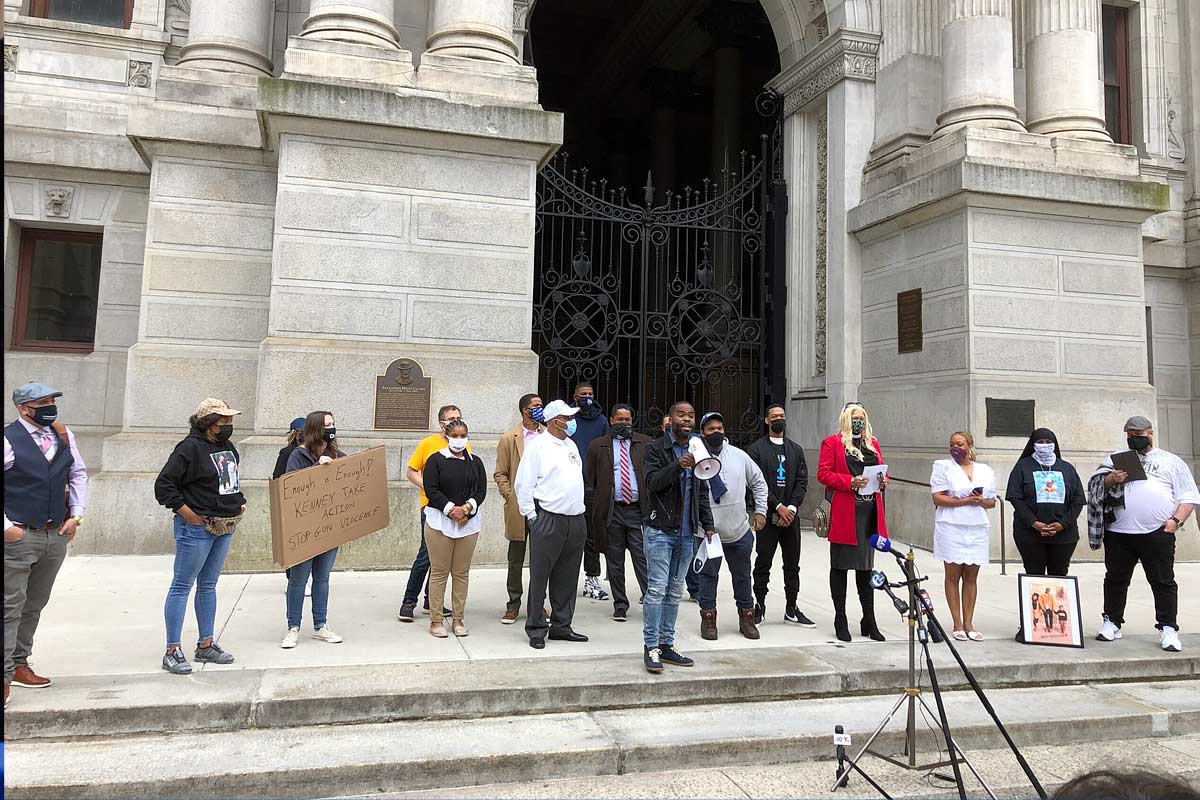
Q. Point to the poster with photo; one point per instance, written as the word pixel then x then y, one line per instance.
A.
pixel 227 472
pixel 1050 612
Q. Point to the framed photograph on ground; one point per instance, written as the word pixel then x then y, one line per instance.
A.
pixel 1050 613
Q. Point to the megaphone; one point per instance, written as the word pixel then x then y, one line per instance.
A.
pixel 706 465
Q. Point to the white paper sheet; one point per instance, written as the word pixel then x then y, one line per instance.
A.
pixel 872 474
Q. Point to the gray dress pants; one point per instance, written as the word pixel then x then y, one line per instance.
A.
pixel 30 567
pixel 556 546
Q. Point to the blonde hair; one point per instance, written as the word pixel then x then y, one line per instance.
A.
pixel 970 443
pixel 844 428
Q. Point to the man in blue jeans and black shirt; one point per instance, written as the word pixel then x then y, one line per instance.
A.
pixel 676 505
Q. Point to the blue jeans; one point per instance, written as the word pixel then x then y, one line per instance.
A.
pixel 668 558
pixel 199 557
pixel 420 571
pixel 737 558
pixel 319 567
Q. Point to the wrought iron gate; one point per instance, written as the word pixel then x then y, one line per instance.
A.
pixel 657 303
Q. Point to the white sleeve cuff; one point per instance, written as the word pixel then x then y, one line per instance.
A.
pixel 449 507
pixel 792 509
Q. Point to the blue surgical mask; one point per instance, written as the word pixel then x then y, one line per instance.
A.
pixel 537 415
pixel 572 426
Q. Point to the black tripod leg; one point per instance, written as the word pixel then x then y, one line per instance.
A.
pixel 988 706
pixel 867 778
pixel 937 695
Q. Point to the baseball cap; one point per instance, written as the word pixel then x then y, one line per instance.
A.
pixel 27 393
pixel 711 415
pixel 211 405
pixel 297 424
pixel 1138 424
pixel 558 408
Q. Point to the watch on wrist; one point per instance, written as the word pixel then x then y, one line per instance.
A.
pixel 1178 522
pixel 78 519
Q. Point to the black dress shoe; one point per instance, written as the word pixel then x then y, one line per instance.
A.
pixel 537 644
pixel 570 636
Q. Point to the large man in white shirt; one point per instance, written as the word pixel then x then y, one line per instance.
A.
pixel 549 489
pixel 1144 530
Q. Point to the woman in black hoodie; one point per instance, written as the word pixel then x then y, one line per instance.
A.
pixel 200 484
pixel 1047 496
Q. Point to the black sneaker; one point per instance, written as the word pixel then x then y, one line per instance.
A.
pixel 212 654
pixel 760 612
pixel 796 616
pixel 176 663
pixel 406 612
pixel 669 655
pixel 619 615
pixel 653 660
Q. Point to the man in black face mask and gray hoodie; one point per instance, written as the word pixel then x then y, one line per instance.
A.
pixel 589 425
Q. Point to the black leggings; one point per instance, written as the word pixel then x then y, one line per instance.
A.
pixel 1046 557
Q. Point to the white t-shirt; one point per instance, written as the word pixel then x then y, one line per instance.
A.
pixel 1150 503
pixel 948 476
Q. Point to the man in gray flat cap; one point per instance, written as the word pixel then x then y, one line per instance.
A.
pixel 45 492
pixel 1140 524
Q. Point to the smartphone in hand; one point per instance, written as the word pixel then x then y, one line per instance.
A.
pixel 978 491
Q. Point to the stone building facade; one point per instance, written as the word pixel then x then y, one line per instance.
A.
pixel 283 196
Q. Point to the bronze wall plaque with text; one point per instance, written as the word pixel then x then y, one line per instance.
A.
pixel 909 334
pixel 402 397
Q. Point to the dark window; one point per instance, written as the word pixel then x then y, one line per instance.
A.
pixel 58 283
pixel 1116 74
pixel 111 13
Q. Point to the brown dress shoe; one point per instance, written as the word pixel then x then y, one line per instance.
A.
pixel 24 676
pixel 6 695
pixel 708 624
pixel 746 623
pixel 510 616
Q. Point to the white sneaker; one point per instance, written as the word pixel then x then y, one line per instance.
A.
pixel 326 634
pixel 1108 631
pixel 1170 639
pixel 291 639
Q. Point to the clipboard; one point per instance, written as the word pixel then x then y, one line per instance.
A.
pixel 1128 462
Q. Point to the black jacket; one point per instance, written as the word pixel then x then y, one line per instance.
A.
pixel 1022 493
pixel 282 461
pixel 662 506
pixel 795 487
pixel 450 480
pixel 300 458
pixel 203 476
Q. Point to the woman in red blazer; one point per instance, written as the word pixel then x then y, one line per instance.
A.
pixel 853 518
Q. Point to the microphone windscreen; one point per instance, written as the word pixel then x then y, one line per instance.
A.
pixel 881 543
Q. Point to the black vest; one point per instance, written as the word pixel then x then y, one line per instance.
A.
pixel 34 488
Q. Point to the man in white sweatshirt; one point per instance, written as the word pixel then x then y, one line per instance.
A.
pixel 729 490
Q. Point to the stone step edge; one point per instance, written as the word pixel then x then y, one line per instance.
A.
pixel 480 694
pixel 613 756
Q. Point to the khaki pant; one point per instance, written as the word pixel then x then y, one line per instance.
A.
pixel 448 557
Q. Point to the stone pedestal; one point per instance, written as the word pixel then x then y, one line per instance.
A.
pixel 977 73
pixel 1062 75
pixel 361 22
pixel 229 35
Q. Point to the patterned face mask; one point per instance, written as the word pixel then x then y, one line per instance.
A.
pixel 857 426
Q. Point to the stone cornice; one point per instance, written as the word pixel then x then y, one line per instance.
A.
pixel 845 55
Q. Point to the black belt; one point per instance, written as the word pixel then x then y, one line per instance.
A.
pixel 49 526
pixel 634 504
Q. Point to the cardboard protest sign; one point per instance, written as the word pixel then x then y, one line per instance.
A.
pixel 317 509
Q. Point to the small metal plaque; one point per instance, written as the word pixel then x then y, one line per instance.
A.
pixel 909 333
pixel 1009 417
pixel 402 397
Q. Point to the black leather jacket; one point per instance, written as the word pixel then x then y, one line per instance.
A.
pixel 663 504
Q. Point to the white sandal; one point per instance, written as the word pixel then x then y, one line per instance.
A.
pixel 975 636
pixel 959 636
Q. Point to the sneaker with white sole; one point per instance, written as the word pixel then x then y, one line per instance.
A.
pixel 326 634
pixel 593 590
pixel 1109 631
pixel 1170 639
pixel 290 639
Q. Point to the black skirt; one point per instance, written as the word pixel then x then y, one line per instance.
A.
pixel 860 556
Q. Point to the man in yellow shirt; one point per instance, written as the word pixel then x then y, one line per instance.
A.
pixel 419 573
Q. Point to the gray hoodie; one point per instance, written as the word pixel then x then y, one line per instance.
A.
pixel 739 472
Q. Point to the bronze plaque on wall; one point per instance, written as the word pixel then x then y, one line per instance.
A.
pixel 1009 417
pixel 402 395
pixel 909 335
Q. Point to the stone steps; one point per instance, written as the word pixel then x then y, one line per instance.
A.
pixel 366 758
pixel 226 699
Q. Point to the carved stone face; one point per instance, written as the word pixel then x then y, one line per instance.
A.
pixel 58 201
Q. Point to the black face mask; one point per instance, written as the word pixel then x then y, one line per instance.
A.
pixel 223 433
pixel 714 441
pixel 622 430
pixel 46 415
pixel 778 426
pixel 1138 443
pixel 857 426
pixel 330 434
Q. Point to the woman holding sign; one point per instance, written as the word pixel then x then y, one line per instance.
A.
pixel 854 516
pixel 456 485
pixel 318 445
pixel 963 491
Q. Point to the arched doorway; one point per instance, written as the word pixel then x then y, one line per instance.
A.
pixel 656 244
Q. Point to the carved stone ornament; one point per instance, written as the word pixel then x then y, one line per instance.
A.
pixel 1175 149
pixel 846 55
pixel 139 74
pixel 821 276
pixel 58 201
pixel 10 58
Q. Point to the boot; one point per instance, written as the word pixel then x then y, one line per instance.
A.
pixel 869 628
pixel 837 592
pixel 746 623
pixel 708 624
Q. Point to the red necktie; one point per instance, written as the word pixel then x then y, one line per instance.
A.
pixel 44 440
pixel 626 486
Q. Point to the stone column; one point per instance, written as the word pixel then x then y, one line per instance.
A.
pixel 908 97
pixel 478 29
pixel 229 35
pixel 368 22
pixel 1062 76
pixel 977 74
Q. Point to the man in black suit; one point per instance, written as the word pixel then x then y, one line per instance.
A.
pixel 782 463
pixel 614 473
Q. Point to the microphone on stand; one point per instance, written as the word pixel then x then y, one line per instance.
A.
pixel 840 740
pixel 885 545
pixel 880 581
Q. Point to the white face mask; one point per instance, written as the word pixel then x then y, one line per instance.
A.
pixel 458 445
pixel 1044 454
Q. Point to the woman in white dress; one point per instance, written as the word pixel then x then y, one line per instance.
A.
pixel 963 491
